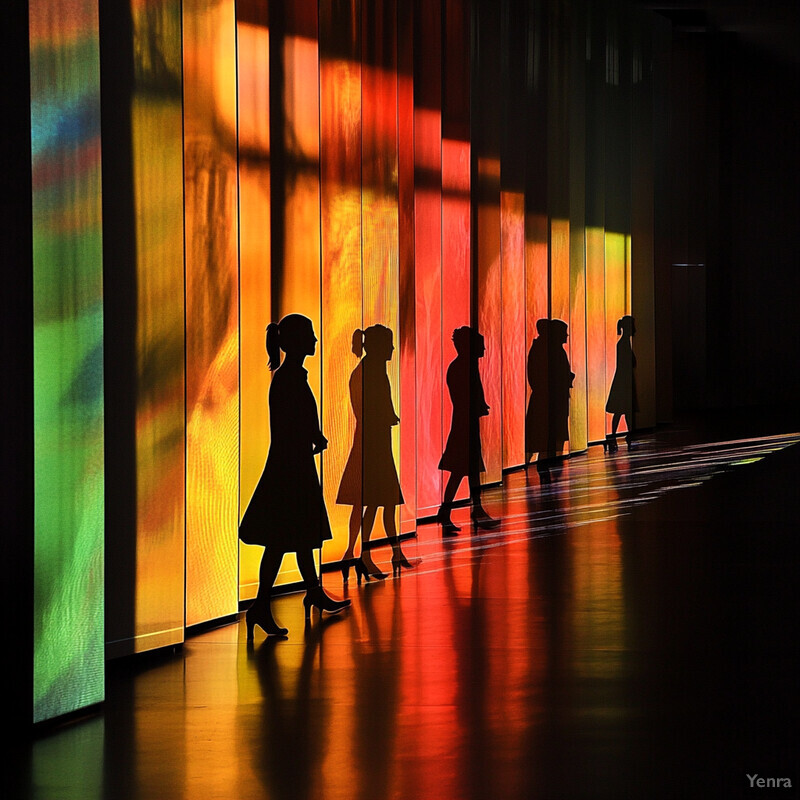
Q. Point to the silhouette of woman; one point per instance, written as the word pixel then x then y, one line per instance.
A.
pixel 550 378
pixel 287 513
pixel 622 400
pixel 370 478
pixel 462 455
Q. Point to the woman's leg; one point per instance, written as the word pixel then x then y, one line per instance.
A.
pixel 615 422
pixel 354 528
pixel 482 519
pixel 391 531
pixel 450 489
pixel 260 612
pixel 267 573
pixel 367 523
pixel 315 596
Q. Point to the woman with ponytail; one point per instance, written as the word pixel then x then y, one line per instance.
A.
pixel 369 480
pixel 622 400
pixel 287 513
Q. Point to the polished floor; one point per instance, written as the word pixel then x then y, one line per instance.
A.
pixel 630 631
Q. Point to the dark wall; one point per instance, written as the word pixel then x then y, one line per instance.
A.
pixel 736 205
pixel 16 340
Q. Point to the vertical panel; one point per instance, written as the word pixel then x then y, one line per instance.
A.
pixel 487 296
pixel 512 214
pixel 537 251
pixel 67 358
pixel 212 308
pixel 595 226
pixel 431 340
pixel 254 263
pixel 157 163
pixel 617 180
pixel 456 189
pixel 295 182
pixel 558 160
pixel 340 169
pixel 406 335
pixel 643 220
pixel 578 429
pixel 379 209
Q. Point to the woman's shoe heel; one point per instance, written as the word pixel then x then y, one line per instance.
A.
pixel 399 563
pixel 266 623
pixel 363 570
pixel 319 600
pixel 350 562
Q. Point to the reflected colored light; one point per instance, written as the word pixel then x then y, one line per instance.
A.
pixel 68 624
pixel 157 154
pixel 212 309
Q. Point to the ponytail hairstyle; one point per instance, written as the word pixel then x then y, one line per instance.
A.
pixel 625 325
pixel 357 346
pixel 274 345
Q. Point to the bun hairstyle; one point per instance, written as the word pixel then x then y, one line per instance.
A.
pixel 358 342
pixel 274 345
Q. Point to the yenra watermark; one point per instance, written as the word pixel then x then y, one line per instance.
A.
pixel 769 783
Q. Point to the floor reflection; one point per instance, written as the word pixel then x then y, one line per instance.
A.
pixel 589 647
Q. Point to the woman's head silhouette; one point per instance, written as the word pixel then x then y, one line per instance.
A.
pixel 294 334
pixel 626 326
pixel 376 340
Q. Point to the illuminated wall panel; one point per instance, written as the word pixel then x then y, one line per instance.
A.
pixel 456 190
pixel 340 170
pixel 643 219
pixel 514 61
pixel 456 256
pixel 596 387
pixel 212 309
pixel 596 333
pixel 406 335
pixel 512 212
pixel 433 347
pixel 157 162
pixel 294 209
pixel 254 265
pixel 68 526
pixel 379 199
pixel 576 347
pixel 487 267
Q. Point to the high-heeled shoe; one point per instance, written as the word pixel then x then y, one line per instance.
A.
pixel 400 562
pixel 264 621
pixel 629 441
pixel 449 528
pixel 346 565
pixel 482 520
pixel 610 444
pixel 317 598
pixel 363 571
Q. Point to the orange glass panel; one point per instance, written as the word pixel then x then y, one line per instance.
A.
pixel 536 282
pixel 212 309
pixel 157 149
pixel 254 272
pixel 379 198
pixel 405 338
pixel 576 346
pixel 295 189
pixel 512 219
pixel 617 255
pixel 456 255
pixel 596 333
pixel 431 339
pixel 489 298
pixel 340 169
